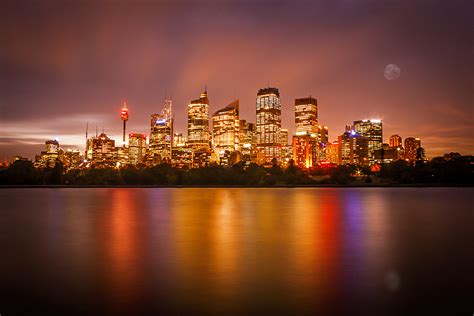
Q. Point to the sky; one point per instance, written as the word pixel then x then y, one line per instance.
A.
pixel 64 64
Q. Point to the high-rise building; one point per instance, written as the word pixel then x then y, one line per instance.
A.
pixel 102 151
pixel 179 140
pixel 52 147
pixel 225 128
pixel 248 141
pixel 122 156
pixel 268 125
pixel 323 134
pixel 313 135
pixel 306 116
pixel 371 130
pixel 395 141
pixel 198 123
pixel 161 135
pixel 50 156
pixel 332 152
pixel 284 137
pixel 71 158
pixel 304 150
pixel 411 146
pixel 353 148
pixel 136 148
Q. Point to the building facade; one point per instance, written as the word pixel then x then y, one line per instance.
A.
pixel 411 146
pixel 306 116
pixel 198 123
pixel 395 141
pixel 332 152
pixel 247 141
pixel 268 124
pixel 136 148
pixel 304 150
pixel 353 148
pixel 101 151
pixel 371 130
pixel 226 130
pixel 161 135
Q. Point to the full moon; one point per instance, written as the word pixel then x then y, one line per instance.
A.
pixel 391 72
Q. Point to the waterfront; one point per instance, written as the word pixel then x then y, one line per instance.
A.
pixel 236 251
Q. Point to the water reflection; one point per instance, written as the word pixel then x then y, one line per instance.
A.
pixel 228 251
pixel 122 245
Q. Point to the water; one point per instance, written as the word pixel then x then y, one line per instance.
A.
pixel 236 251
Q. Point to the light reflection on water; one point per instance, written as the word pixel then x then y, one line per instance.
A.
pixel 232 251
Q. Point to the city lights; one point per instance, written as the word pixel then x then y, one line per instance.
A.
pixel 226 139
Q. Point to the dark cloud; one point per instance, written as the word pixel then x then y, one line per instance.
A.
pixel 59 59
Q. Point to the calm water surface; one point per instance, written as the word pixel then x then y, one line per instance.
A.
pixel 237 251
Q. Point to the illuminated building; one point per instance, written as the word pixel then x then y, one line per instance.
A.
pixel 179 140
pixel 313 136
pixel 268 125
pixel 102 151
pixel 247 141
pixel 161 135
pixel 198 123
pixel 304 150
pixel 371 130
pixel 201 158
pixel 332 152
pixel 136 148
pixel 323 134
pixel 395 141
pixel 306 115
pixel 52 147
pixel 124 117
pixel 225 131
pixel 121 156
pixel 284 145
pixel 182 155
pixel 353 148
pixel 411 146
pixel 71 158
pixel 284 137
pixel 48 157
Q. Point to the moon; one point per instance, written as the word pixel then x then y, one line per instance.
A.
pixel 391 72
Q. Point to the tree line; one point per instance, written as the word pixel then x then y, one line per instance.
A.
pixel 450 169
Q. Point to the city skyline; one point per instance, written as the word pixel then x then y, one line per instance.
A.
pixel 150 138
pixel 67 67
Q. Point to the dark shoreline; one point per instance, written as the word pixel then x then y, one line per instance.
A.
pixel 48 186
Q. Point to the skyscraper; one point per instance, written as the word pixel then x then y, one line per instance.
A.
pixel 284 137
pixel 136 148
pixel 353 148
pixel 411 146
pixel 102 151
pixel 268 125
pixel 303 150
pixel 161 135
pixel 198 123
pixel 306 116
pixel 332 152
pixel 50 156
pixel 371 130
pixel 225 128
pixel 313 137
pixel 247 141
pixel 395 141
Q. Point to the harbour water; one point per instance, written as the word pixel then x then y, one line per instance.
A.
pixel 236 251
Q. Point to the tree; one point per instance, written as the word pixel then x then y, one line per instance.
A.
pixel 22 172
